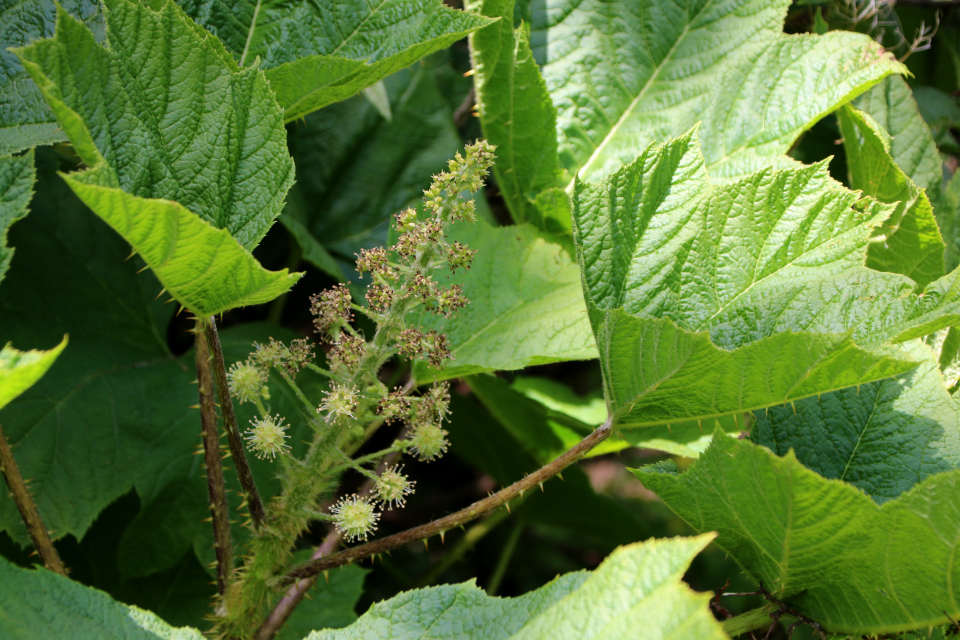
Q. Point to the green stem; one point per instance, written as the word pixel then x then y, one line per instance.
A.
pixel 237 451
pixel 746 622
pixel 504 560
pixel 216 491
pixel 370 457
pixel 28 509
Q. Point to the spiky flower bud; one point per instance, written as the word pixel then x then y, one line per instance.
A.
pixel 331 308
pixel 406 220
pixel 339 402
pixel 423 287
pixel 392 487
pixel 434 405
pixel 247 382
pixel 355 517
pixel 298 354
pixel 375 261
pixel 267 355
pixel 267 436
pixel 428 441
pixel 394 406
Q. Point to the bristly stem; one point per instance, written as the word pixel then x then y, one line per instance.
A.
pixel 257 512
pixel 219 509
pixel 28 509
pixel 474 511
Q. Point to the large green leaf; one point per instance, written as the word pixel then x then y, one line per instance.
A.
pixel 317 53
pixel 16 187
pixel 636 592
pixel 883 437
pixel 623 75
pixel 202 267
pixel 909 240
pixel 42 604
pixel 780 250
pixel 20 370
pixel 25 120
pixel 355 170
pixel 518 117
pixel 171 114
pixel 822 545
pixel 527 310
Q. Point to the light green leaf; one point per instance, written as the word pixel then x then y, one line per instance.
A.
pixel 202 267
pixel 883 437
pixel 623 76
pixel 355 170
pixel 167 109
pixel 16 188
pixel 517 116
pixel 528 310
pixel 780 250
pixel 19 370
pixel 25 120
pixel 655 372
pixel 822 545
pixel 42 604
pixel 318 53
pixel 909 240
pixel 636 592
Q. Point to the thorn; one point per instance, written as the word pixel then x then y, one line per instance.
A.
pixel 521 493
pixel 326 574
pixel 700 422
pixel 735 422
pixel 560 475
pixel 541 487
pixel 794 408
pixel 425 545
pixel 507 505
pixel 194 406
pixel 469 73
pixel 144 269
pixel 858 390
pixel 669 428
pixel 162 291
pixel 443 535
pixel 133 252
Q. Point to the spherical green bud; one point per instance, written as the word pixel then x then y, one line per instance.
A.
pixel 392 487
pixel 428 441
pixel 355 517
pixel 247 382
pixel 267 437
pixel 339 402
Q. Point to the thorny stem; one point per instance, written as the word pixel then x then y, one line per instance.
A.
pixel 28 509
pixel 474 511
pixel 219 510
pixel 257 513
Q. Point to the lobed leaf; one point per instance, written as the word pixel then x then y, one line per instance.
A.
pixel 635 592
pixel 909 240
pixel 168 110
pixel 529 308
pixel 624 75
pixel 16 188
pixel 25 119
pixel 883 437
pixel 42 604
pixel 319 53
pixel 822 545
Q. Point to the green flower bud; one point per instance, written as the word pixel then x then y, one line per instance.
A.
pixel 428 441
pixel 267 437
pixel 355 517
pixel 247 382
pixel 392 487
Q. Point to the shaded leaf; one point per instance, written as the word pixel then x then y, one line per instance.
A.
pixel 328 605
pixel 323 52
pixel 16 188
pixel 42 604
pixel 822 545
pixel 883 437
pixel 528 306
pixel 25 119
pixel 635 592
pixel 623 75
pixel 909 240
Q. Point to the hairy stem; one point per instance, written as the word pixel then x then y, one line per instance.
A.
pixel 257 513
pixel 474 511
pixel 219 510
pixel 746 622
pixel 28 509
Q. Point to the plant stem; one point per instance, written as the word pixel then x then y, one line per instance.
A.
pixel 474 511
pixel 219 510
pixel 28 509
pixel 745 622
pixel 501 570
pixel 257 513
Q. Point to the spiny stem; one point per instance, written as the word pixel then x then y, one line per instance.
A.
pixel 257 513
pixel 28 509
pixel 219 509
pixel 474 511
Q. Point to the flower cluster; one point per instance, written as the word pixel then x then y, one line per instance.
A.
pixel 290 358
pixel 248 382
pixel 355 517
pixel 267 436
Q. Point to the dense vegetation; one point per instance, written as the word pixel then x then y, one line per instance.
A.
pixel 699 260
